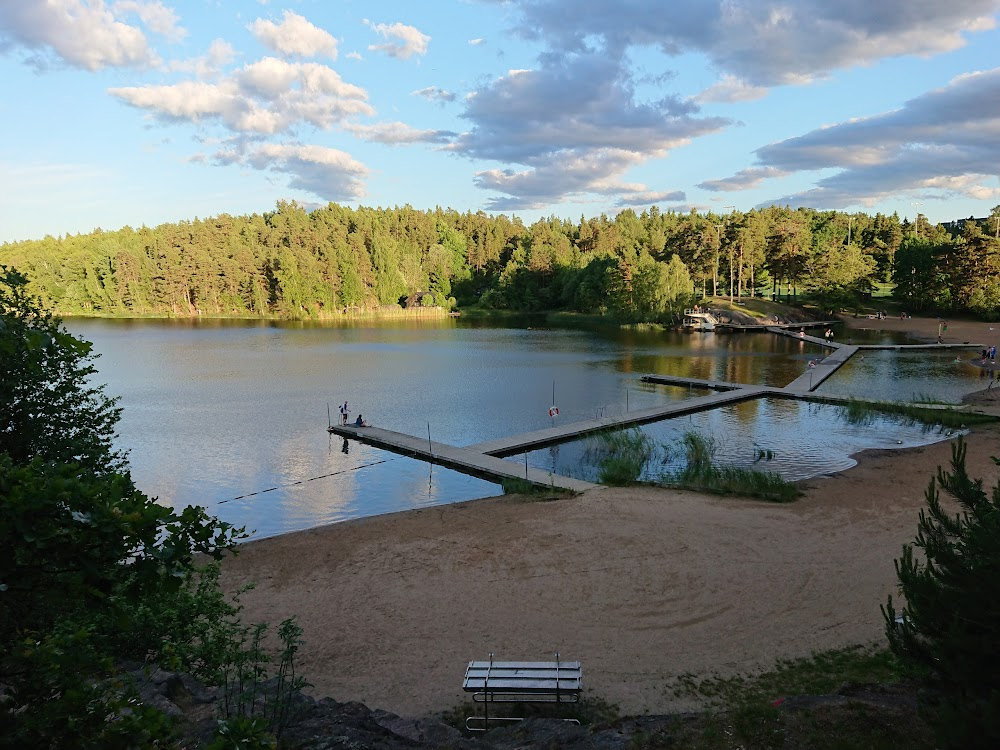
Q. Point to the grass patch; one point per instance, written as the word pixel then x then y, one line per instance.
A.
pixel 703 474
pixel 515 486
pixel 745 714
pixel 620 456
pixel 819 674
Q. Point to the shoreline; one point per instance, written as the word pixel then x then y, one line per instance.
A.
pixel 640 584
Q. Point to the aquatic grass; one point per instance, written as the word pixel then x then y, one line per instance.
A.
pixel 735 480
pixel 700 472
pixel 621 456
pixel 762 454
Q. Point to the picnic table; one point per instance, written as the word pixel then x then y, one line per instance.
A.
pixel 520 682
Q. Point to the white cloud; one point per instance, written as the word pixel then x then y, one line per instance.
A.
pixel 155 16
pixel 81 34
pixel 560 176
pixel 742 180
pixel 578 127
pixel 764 42
pixel 328 173
pixel 220 53
pixel 476 42
pixel 398 133
pixel 354 56
pixel 434 94
pixel 649 198
pixel 266 97
pixel 295 37
pixel 731 89
pixel 405 41
pixel 942 143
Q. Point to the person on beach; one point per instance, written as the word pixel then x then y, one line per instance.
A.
pixel 360 422
pixel 344 411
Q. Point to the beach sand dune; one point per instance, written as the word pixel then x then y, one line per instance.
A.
pixel 641 585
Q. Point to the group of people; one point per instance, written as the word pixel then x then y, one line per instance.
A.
pixel 989 354
pixel 345 415
pixel 828 334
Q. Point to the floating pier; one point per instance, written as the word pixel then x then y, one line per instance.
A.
pixel 562 433
pixel 485 460
pixel 465 460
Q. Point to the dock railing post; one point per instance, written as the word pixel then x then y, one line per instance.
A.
pixel 430 446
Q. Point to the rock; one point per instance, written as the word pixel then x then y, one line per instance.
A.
pixel 435 733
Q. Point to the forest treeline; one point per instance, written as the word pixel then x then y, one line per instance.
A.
pixel 295 263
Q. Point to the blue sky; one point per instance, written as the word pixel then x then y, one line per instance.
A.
pixel 139 112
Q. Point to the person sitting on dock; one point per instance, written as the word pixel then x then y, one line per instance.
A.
pixel 359 422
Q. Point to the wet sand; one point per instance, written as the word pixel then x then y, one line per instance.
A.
pixel 641 585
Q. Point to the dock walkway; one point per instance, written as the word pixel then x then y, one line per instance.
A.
pixel 485 459
pixel 466 460
pixel 562 433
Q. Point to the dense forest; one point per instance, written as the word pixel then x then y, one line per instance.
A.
pixel 295 263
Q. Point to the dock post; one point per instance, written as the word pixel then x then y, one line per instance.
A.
pixel 626 400
pixel 430 447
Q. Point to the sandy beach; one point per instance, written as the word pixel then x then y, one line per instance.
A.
pixel 640 584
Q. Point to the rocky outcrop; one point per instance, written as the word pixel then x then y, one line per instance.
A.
pixel 327 724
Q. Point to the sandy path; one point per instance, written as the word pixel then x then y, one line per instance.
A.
pixel 641 585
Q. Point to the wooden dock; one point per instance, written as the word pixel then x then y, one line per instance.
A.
pixel 712 385
pixel 813 378
pixel 485 459
pixel 767 326
pixel 465 460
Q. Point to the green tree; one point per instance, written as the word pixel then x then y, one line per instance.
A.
pixel 91 569
pixel 48 409
pixel 948 626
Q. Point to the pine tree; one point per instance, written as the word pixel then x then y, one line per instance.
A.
pixel 949 627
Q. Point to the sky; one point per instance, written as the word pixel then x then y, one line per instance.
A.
pixel 143 112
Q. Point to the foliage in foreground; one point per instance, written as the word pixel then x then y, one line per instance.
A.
pixel 950 621
pixel 743 713
pixel 701 472
pixel 92 571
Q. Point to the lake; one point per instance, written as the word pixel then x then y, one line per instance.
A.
pixel 232 414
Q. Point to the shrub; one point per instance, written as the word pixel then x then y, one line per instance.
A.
pixel 948 627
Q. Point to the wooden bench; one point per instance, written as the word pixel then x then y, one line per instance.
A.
pixel 559 682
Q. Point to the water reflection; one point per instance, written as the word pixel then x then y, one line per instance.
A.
pixel 793 438
pixel 216 410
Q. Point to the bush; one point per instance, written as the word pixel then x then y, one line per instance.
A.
pixel 91 569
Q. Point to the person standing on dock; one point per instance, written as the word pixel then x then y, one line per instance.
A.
pixel 344 411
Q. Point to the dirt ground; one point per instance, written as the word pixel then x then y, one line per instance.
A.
pixel 640 584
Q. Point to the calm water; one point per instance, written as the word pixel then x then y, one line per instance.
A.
pixel 232 414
